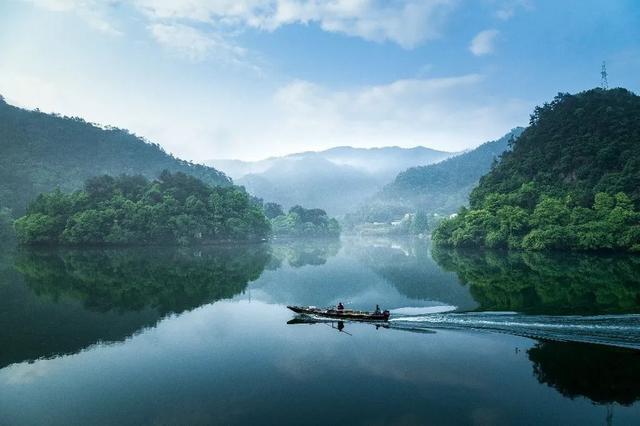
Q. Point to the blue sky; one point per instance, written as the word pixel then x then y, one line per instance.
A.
pixel 254 78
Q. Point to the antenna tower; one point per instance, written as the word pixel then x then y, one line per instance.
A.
pixel 603 76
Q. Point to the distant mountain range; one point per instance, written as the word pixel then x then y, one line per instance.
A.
pixel 39 152
pixel 437 188
pixel 334 180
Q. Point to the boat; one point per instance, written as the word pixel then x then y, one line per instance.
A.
pixel 345 314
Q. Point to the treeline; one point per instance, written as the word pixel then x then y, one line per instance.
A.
pixel 173 209
pixel 571 181
pixel 503 221
pixel 301 222
pixel 41 152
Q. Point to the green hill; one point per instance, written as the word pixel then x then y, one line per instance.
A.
pixel 571 181
pixel 436 188
pixel 43 151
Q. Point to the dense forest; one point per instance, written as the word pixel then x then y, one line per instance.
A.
pixel 41 152
pixel 301 222
pixel 174 209
pixel 439 188
pixel 571 181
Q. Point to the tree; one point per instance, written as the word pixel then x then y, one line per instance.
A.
pixel 272 210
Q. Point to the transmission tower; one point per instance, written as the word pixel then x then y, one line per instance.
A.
pixel 603 76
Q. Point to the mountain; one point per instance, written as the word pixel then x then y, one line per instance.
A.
pixel 333 180
pixel 43 151
pixel 571 181
pixel 437 188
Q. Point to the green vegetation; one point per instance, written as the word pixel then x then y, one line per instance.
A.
pixel 41 152
pixel 547 282
pixel 433 190
pixel 175 209
pixel 301 222
pixel 571 181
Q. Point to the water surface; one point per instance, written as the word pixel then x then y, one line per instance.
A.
pixel 202 336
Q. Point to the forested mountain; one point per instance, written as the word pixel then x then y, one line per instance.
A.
pixel 437 188
pixel 333 180
pixel 40 152
pixel 571 181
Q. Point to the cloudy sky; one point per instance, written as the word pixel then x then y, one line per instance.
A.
pixel 254 78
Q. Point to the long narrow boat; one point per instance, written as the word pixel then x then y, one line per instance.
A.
pixel 347 314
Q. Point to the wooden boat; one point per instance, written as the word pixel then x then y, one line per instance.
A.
pixel 346 314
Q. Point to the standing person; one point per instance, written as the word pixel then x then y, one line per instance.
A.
pixel 377 309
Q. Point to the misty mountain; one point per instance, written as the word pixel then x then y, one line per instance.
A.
pixel 437 188
pixel 335 179
pixel 40 152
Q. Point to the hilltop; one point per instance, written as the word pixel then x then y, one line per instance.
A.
pixel 41 152
pixel 571 181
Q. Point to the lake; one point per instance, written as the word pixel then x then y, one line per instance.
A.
pixel 173 336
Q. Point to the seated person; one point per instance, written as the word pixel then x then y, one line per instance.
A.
pixel 340 306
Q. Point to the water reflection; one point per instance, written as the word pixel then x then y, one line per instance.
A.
pixel 603 374
pixel 298 253
pixel 549 283
pixel 59 302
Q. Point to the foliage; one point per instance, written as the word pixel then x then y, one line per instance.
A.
pixel 301 222
pixel 41 152
pixel 272 210
pixel 571 181
pixel 174 209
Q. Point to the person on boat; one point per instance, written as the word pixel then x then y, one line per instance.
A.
pixel 377 311
pixel 340 306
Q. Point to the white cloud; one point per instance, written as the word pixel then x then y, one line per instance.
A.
pixel 508 8
pixel 483 42
pixel 93 12
pixel 195 44
pixel 405 22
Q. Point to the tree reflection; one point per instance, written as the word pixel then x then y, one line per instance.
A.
pixel 165 279
pixel 554 283
pixel 59 302
pixel 604 374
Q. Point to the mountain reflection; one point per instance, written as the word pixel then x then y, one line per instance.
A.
pixel 58 302
pixel 407 264
pixel 550 283
pixel 603 374
pixel 298 253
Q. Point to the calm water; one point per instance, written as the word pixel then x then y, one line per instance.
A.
pixel 202 336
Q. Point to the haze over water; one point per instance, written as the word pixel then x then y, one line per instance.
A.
pixel 203 336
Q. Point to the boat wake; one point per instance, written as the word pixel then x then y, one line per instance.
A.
pixel 614 330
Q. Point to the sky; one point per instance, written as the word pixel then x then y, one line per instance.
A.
pixel 249 79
